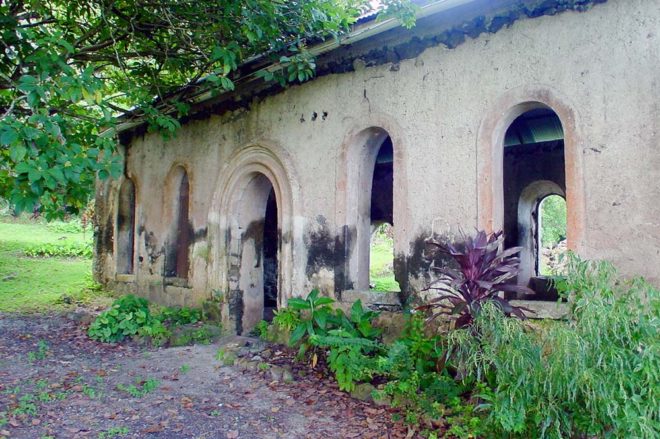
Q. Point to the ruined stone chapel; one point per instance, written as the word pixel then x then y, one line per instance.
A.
pixel 468 120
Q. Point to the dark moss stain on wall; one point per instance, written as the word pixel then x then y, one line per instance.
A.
pixel 255 233
pixel 320 250
pixel 344 243
pixel 417 264
pixel 325 251
pixel 235 305
pixel 199 234
pixel 151 245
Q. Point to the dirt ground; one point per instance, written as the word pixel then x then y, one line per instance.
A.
pixel 56 382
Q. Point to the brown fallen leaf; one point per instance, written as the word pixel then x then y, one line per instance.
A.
pixel 156 428
pixel 275 409
pixel 232 434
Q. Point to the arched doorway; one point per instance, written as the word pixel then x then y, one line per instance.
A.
pixel 255 237
pixel 368 200
pixel 491 152
pixel 533 168
pixel 252 236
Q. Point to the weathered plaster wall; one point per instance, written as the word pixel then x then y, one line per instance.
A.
pixel 446 111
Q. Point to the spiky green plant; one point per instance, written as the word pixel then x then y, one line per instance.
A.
pixel 597 374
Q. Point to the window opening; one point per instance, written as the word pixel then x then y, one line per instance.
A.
pixel 551 232
pixel 533 169
pixel 178 263
pixel 381 254
pixel 126 228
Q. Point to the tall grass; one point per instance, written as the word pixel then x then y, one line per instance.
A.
pixel 596 374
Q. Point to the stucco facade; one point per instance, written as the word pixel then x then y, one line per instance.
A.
pixel 445 110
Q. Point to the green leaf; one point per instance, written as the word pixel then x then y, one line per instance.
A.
pixel 34 174
pixel 297 304
pixel 27 83
pixel 320 318
pixel 8 135
pixel 324 301
pixel 23 168
pixel 17 153
pixel 297 334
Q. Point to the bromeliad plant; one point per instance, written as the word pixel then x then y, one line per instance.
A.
pixel 483 272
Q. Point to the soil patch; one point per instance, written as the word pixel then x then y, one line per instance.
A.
pixel 56 382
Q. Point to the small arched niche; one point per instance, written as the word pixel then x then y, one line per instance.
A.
pixel 126 228
pixel 177 257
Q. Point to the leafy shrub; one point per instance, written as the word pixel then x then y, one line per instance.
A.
pixel 130 316
pixel 124 319
pixel 73 226
pixel 417 379
pixel 349 357
pixel 484 271
pixel 286 319
pixel 317 312
pixel 179 316
pixel 68 249
pixel 156 332
pixel 595 375
pixel 261 330
pixel 351 345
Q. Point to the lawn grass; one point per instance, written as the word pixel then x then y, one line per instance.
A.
pixel 381 257
pixel 32 284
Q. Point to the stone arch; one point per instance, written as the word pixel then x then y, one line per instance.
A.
pixel 528 204
pixel 356 162
pixel 490 151
pixel 177 208
pixel 125 248
pixel 243 190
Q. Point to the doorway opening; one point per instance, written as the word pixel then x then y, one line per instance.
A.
pixel 258 265
pixel 270 248
pixel 381 248
pixel 551 236
pixel 533 170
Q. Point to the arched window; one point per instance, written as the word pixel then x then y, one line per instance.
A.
pixel 177 259
pixel 533 168
pixel 551 233
pixel 126 228
pixel 381 254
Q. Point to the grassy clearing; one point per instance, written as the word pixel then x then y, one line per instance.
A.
pixel 381 258
pixel 42 283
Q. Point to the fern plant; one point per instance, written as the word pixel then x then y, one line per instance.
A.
pixel 596 375
pixel 352 359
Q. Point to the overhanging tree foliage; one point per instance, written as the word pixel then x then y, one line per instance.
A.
pixel 68 68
